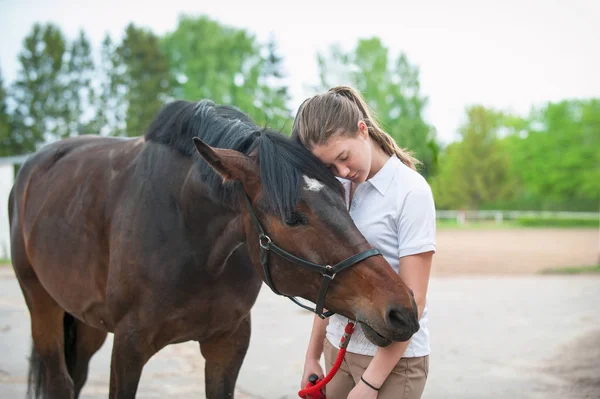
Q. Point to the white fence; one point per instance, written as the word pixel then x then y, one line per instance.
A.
pixel 498 216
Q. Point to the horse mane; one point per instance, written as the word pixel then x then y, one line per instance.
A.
pixel 282 160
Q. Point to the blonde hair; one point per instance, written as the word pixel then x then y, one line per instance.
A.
pixel 337 112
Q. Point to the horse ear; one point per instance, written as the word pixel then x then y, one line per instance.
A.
pixel 229 164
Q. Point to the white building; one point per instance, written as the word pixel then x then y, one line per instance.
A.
pixel 7 178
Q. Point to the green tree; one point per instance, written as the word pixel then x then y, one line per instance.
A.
pixel 110 101
pixel 391 87
pixel 273 93
pixel 142 77
pixel 6 143
pixel 475 170
pixel 80 95
pixel 558 155
pixel 39 90
pixel 226 65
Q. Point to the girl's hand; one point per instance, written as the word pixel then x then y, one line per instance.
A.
pixel 361 391
pixel 311 366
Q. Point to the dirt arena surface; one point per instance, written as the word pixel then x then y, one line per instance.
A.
pixel 498 329
pixel 513 251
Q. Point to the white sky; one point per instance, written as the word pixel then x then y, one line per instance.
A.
pixel 508 54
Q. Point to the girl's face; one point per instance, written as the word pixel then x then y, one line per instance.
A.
pixel 347 157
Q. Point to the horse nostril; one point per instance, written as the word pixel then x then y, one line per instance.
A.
pixel 403 319
pixel 396 318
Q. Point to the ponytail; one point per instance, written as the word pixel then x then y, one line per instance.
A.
pixel 385 141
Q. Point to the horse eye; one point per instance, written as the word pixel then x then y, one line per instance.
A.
pixel 296 219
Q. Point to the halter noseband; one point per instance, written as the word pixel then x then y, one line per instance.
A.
pixel 328 272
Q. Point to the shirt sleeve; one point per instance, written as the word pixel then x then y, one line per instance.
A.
pixel 416 223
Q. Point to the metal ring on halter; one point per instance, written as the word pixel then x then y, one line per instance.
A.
pixel 329 268
pixel 264 244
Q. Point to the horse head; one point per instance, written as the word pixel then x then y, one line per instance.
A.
pixel 317 231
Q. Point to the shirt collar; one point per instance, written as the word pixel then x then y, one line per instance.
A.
pixel 383 179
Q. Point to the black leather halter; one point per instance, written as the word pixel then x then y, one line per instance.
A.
pixel 328 272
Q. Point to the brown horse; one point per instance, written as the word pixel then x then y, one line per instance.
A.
pixel 159 241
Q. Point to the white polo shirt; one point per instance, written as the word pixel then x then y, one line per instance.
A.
pixel 395 212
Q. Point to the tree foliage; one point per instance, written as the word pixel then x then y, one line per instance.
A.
pixel 110 103
pixel 39 91
pixel 5 123
pixel 273 92
pixel 557 155
pixel 227 65
pixel 80 94
pixel 141 77
pixel 475 170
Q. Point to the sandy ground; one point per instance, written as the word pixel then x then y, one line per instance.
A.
pixel 497 329
pixel 513 251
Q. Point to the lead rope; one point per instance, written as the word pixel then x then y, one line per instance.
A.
pixel 313 390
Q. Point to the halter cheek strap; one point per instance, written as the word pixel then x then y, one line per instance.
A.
pixel 328 272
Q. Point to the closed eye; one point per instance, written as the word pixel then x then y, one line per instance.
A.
pixel 296 219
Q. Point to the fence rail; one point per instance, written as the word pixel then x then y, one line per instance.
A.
pixel 499 216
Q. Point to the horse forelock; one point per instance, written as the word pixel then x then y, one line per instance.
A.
pixel 282 161
pixel 284 164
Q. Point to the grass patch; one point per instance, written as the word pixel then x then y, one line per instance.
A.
pixel 5 262
pixel 520 223
pixel 555 222
pixel 573 270
pixel 483 224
